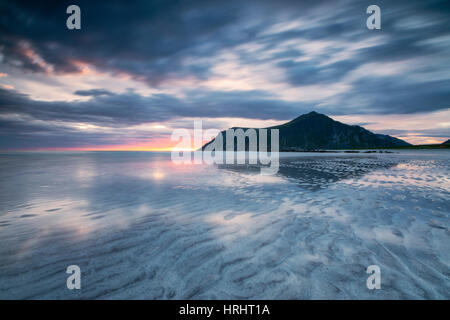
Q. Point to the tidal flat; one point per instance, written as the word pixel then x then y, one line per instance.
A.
pixel 141 227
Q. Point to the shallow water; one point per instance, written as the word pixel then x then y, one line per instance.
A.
pixel 141 227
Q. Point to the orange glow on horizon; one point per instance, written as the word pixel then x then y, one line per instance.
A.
pixel 111 148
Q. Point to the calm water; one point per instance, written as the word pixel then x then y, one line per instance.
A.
pixel 139 226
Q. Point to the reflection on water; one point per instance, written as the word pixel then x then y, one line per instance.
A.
pixel 140 226
pixel 315 173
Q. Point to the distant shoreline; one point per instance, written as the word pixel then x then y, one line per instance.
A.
pixel 424 146
pixel 376 150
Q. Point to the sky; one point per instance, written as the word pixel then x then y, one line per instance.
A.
pixel 137 70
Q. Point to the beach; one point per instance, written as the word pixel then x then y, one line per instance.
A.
pixel 141 227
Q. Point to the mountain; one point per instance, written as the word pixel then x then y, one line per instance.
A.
pixel 316 131
pixel 446 143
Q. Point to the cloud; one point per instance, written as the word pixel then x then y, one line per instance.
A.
pixel 395 95
pixel 310 72
pixel 130 108
pixel 151 40
pixel 148 40
pixel 213 59
pixel 435 133
pixel 93 92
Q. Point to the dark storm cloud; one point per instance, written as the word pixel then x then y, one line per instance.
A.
pixel 130 108
pixel 113 109
pixel 150 40
pixel 395 95
pixel 309 72
pixel 146 39
pixel 21 134
pixel 93 92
